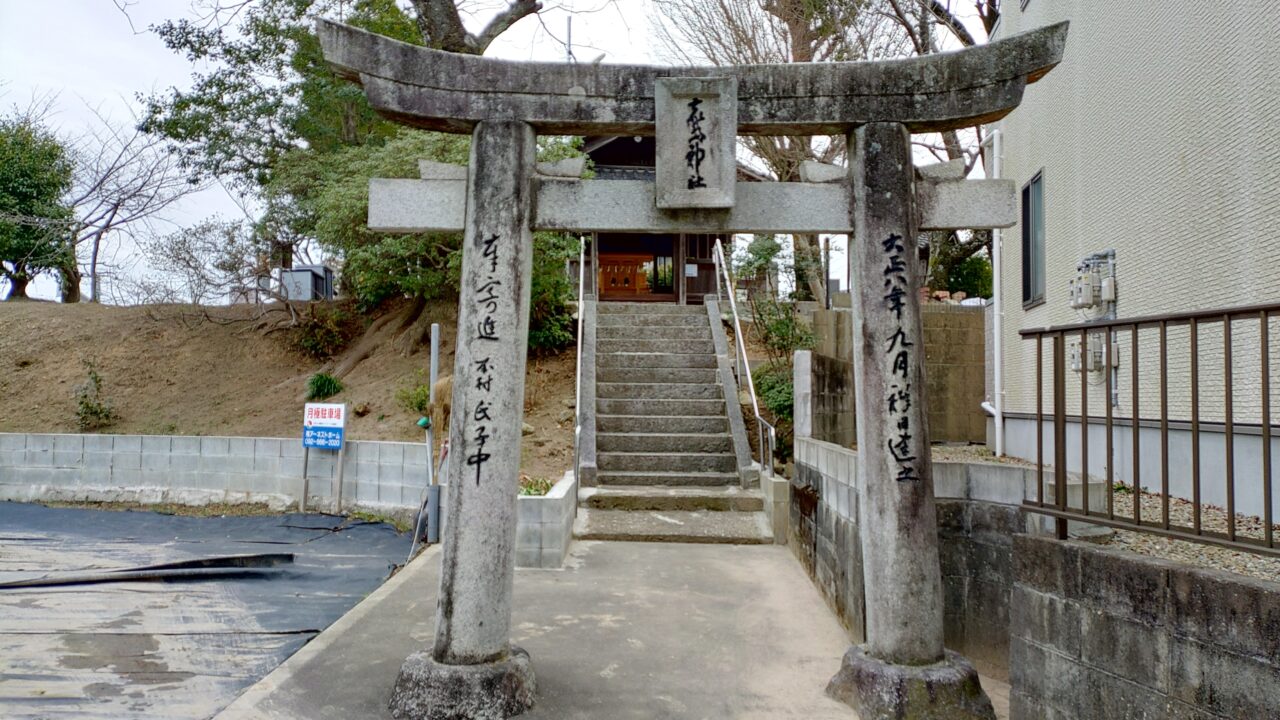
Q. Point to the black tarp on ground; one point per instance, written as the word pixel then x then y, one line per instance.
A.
pixel 168 649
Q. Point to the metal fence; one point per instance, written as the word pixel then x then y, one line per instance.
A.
pixel 1099 350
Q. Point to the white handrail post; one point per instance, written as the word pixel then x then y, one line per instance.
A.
pixel 577 389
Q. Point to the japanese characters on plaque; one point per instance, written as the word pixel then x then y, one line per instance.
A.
pixel 696 124
pixel 898 348
pixel 693 159
pixel 485 300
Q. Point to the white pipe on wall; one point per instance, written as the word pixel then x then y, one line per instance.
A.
pixel 994 142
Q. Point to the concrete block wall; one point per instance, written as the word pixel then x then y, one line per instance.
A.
pixel 197 470
pixel 544 525
pixel 1101 633
pixel 382 477
pixel 955 368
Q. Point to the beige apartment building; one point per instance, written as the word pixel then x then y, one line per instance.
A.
pixel 1149 170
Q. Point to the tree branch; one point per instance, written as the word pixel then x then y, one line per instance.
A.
pixel 503 20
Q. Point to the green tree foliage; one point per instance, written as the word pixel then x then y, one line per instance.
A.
pixel 35 175
pixel 269 91
pixel 550 322
pixel 972 277
pixel 273 120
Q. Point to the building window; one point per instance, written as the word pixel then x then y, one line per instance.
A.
pixel 1033 241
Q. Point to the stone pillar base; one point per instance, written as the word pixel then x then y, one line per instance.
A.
pixel 430 690
pixel 877 690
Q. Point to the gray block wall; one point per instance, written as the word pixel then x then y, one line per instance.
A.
pixel 382 477
pixel 1101 633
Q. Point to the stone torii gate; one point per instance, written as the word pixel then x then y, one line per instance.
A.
pixel 881 200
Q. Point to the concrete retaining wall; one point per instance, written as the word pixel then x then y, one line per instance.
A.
pixel 1079 630
pixel 382 477
pixel 977 508
pixel 1100 633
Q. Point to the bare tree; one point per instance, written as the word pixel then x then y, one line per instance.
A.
pixel 930 26
pixel 124 180
pixel 726 32
pixel 739 32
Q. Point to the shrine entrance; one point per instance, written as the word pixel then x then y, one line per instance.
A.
pixel 637 268
pixel 640 267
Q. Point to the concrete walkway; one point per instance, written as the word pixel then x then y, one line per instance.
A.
pixel 627 630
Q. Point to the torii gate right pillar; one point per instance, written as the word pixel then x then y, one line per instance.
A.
pixel 903 670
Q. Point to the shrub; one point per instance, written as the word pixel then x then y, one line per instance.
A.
pixel 550 321
pixel 774 388
pixel 93 411
pixel 535 485
pixel 322 333
pixel 323 385
pixel 780 330
pixel 417 397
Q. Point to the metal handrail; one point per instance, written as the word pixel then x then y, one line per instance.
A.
pixel 1165 522
pixel 577 389
pixel 741 366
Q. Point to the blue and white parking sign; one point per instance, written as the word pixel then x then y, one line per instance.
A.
pixel 323 425
pixel 327 438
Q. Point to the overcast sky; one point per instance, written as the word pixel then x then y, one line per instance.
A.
pixel 91 55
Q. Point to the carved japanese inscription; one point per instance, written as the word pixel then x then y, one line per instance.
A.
pixel 696 125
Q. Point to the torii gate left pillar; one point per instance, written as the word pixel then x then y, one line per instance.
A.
pixel 473 671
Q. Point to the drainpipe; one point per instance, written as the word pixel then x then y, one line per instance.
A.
pixel 996 146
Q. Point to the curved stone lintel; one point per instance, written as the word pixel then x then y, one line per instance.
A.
pixel 451 92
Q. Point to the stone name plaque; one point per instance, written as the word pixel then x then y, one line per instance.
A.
pixel 696 128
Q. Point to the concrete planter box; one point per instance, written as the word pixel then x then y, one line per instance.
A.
pixel 544 525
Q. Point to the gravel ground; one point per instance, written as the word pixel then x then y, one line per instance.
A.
pixel 1212 517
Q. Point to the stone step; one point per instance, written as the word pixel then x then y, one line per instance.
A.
pixel 654 360
pixel 626 308
pixel 678 333
pixel 684 424
pixel 654 375
pixel 634 320
pixel 622 478
pixel 664 442
pixel 649 345
pixel 713 499
pixel 659 391
pixel 605 406
pixel 666 462
pixel 739 528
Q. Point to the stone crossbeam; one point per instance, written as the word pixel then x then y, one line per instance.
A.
pixel 407 205
pixel 451 92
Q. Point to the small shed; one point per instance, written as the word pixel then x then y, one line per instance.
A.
pixel 307 283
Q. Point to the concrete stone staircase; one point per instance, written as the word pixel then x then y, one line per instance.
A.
pixel 667 468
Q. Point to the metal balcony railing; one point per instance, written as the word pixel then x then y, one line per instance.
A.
pixel 1106 351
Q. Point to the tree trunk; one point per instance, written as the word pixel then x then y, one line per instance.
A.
pixel 69 278
pixel 808 261
pixel 95 286
pixel 17 286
